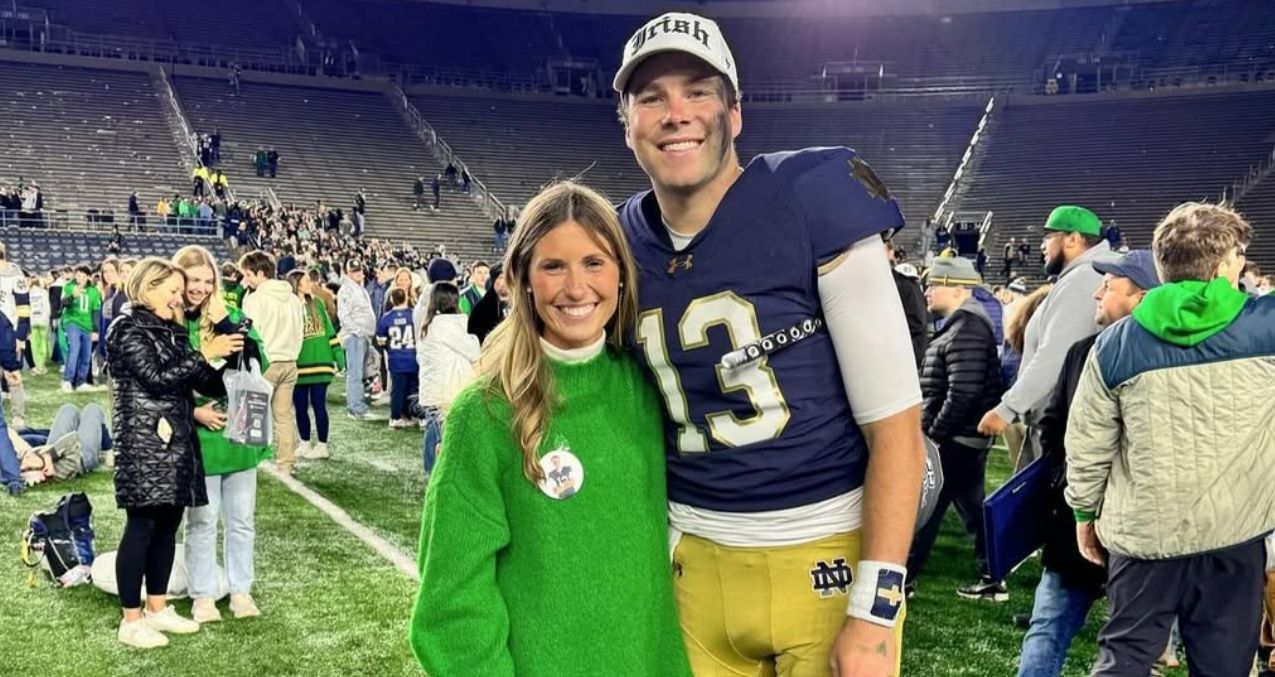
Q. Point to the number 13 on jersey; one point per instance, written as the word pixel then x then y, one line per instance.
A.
pixel 755 379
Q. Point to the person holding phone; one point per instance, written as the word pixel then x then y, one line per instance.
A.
pixel 230 469
pixel 158 468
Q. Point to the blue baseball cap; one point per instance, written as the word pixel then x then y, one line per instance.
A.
pixel 1138 266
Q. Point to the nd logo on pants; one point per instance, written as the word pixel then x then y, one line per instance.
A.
pixel 765 612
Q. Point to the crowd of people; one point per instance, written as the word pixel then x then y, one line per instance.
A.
pixel 760 489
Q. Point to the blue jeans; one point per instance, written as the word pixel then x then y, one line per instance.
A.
pixel 89 423
pixel 79 348
pixel 1058 613
pixel 233 497
pixel 355 354
pixel 10 469
pixel 433 436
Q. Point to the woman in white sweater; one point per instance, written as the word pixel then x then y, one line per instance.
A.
pixel 445 354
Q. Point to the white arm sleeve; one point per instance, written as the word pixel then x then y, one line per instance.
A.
pixel 864 316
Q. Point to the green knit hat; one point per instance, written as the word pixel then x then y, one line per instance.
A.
pixel 1074 219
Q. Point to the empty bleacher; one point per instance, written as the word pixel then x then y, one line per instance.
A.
pixel 1131 160
pixel 331 144
pixel 231 23
pixel 515 145
pixel 37 249
pixel 1258 206
pixel 87 137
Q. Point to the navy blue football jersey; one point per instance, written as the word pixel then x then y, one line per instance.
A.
pixel 776 432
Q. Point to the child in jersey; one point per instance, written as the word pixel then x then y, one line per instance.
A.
pixel 396 334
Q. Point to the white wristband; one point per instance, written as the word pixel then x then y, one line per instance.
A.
pixel 877 593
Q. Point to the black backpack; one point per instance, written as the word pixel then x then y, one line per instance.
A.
pixel 61 541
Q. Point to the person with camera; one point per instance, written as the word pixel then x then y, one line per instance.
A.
pixel 230 469
pixel 158 469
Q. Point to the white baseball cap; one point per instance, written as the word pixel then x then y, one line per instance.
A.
pixel 677 32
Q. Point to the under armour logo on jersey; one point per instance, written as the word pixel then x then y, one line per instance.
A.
pixel 830 579
pixel 684 263
pixel 862 172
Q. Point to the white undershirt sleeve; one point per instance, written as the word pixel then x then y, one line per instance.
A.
pixel 864 317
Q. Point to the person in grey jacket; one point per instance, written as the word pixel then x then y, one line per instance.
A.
pixel 358 326
pixel 1073 243
pixel 1169 450
pixel 960 378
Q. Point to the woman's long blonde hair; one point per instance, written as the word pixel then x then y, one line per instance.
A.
pixel 512 361
pixel 194 256
pixel 412 294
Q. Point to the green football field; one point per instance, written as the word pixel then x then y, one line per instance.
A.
pixel 333 606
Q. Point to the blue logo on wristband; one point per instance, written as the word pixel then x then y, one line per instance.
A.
pixel 889 594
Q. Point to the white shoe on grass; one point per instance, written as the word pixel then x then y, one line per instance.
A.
pixel 68 388
pixel 303 449
pixel 140 634
pixel 320 451
pixel 204 610
pixel 168 621
pixel 242 606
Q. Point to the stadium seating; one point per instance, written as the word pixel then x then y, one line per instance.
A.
pixel 1130 160
pixel 516 145
pixel 230 23
pixel 1258 206
pixel 87 137
pixel 511 47
pixel 333 143
pixel 37 249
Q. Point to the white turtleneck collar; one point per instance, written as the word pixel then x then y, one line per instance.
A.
pixel 574 355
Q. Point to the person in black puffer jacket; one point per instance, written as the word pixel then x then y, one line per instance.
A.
pixel 158 469
pixel 960 379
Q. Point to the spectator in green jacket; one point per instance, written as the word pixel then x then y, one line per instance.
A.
pixel 81 315
pixel 230 470
pixel 479 273
pixel 320 359
pixel 536 467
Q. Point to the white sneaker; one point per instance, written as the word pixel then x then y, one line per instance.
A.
pixel 86 388
pixel 381 400
pixel 68 388
pixel 204 610
pixel 242 606
pixel 320 451
pixel 304 449
pixel 140 634
pixel 168 621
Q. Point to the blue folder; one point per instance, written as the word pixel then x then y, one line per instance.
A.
pixel 1015 518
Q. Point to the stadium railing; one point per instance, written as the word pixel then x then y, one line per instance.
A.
pixel 491 205
pixel 107 222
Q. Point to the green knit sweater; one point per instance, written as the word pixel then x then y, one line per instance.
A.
pixel 321 354
pixel 516 583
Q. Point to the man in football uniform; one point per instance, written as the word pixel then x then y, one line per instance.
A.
pixel 15 303
pixel 772 326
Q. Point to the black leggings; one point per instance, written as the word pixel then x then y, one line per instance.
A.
pixel 150 539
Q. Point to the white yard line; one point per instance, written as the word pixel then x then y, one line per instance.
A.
pixel 379 464
pixel 384 548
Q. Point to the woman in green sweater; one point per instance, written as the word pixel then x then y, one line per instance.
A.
pixel 544 540
pixel 230 470
pixel 320 359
